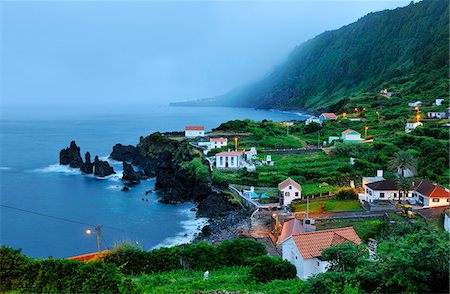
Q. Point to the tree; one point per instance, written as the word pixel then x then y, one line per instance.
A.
pixel 402 161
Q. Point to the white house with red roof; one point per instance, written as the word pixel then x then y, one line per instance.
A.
pixel 351 136
pixel 327 116
pixel 229 159
pixel 423 193
pixel 218 142
pixel 194 131
pixel 288 191
pixel 304 249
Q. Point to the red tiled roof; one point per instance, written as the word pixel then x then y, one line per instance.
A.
pixel 290 227
pixel 194 128
pixel 289 182
pixel 430 190
pixel 311 244
pixel 219 139
pixel 347 131
pixel 329 115
pixel 229 153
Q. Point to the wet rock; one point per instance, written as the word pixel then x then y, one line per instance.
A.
pixel 126 189
pixel 125 153
pixel 71 156
pixel 148 192
pixel 102 168
pixel 130 175
pixel 87 167
pixel 206 230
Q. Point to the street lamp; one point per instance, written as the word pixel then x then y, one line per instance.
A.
pixel 344 114
pixel 99 236
pixel 365 132
pixel 417 117
pixel 235 143
pixel 378 114
pixel 356 109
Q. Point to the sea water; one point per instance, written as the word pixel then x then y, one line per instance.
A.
pixel 58 204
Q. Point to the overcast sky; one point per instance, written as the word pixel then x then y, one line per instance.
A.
pixel 111 52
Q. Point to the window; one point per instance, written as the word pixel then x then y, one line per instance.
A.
pixel 221 160
pixel 290 187
pixel 436 199
pixel 296 194
pixel 382 195
pixel 448 200
pixel 232 160
pixel 318 263
pixel 286 194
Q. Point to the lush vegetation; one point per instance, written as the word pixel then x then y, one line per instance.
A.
pixel 404 50
pixel 322 205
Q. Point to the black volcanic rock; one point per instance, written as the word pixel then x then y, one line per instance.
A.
pixel 71 156
pixel 129 174
pixel 214 205
pixel 102 168
pixel 88 167
pixel 125 153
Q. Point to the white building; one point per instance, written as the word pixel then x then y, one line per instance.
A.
pixel 437 114
pixel 229 159
pixel 194 131
pixel 304 250
pixel 412 125
pixel 438 101
pixel 288 191
pixel 312 119
pixel 327 116
pixel 423 193
pixel 251 154
pixel 415 103
pixel 351 136
pixel 218 142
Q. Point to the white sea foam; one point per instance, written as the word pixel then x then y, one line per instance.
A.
pixel 109 160
pixel 57 168
pixel 117 177
pixel 114 187
pixel 5 168
pixel 190 226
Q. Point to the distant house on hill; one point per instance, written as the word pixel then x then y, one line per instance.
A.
pixel 386 93
pixel 437 115
pixel 351 136
pixel 305 249
pixel 424 193
pixel 415 103
pixel 312 119
pixel 412 125
pixel 327 116
pixel 438 101
pixel 218 142
pixel 288 191
pixel 194 131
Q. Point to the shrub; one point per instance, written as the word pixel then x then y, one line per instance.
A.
pixel 346 193
pixel 236 252
pixel 201 256
pixel 268 268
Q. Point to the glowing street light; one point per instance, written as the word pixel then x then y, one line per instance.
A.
pixel 417 117
pixel 365 132
pixel 235 143
pixel 344 114
pixel 356 109
pixel 364 109
pixel 378 113
pixel 89 232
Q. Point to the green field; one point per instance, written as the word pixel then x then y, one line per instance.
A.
pixel 364 228
pixel 331 205
pixel 227 279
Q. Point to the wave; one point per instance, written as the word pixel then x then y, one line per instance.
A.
pixel 115 187
pixel 57 168
pixel 191 227
pixel 5 168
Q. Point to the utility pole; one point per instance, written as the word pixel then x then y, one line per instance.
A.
pixel 99 239
pixel 318 140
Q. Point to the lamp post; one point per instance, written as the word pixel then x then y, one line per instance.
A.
pixel 344 114
pixel 235 143
pixel 356 109
pixel 378 113
pixel 99 236
pixel 365 132
pixel 417 118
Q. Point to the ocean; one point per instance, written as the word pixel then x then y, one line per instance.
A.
pixel 50 207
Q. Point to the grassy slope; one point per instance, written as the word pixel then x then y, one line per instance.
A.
pixel 330 205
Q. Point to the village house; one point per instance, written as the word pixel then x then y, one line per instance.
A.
pixel 423 193
pixel 251 154
pixel 312 119
pixel 218 142
pixel 194 131
pixel 437 114
pixel 412 125
pixel 288 191
pixel 327 116
pixel 351 136
pixel 229 159
pixel 304 249
pixel 386 93
pixel 415 103
pixel 438 101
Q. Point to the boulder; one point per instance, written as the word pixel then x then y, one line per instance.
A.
pixel 126 189
pixel 130 175
pixel 206 230
pixel 71 156
pixel 88 167
pixel 125 153
pixel 102 168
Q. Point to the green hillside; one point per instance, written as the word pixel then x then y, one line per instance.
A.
pixel 404 50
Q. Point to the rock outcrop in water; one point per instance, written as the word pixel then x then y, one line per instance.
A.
pixel 102 168
pixel 125 153
pixel 88 167
pixel 71 156
pixel 130 175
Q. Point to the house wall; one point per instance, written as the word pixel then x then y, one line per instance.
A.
pixel 193 134
pixel 218 144
pixel 290 194
pixel 233 161
pixel 351 137
pixel 372 195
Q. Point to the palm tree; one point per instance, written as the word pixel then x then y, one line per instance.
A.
pixel 402 161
